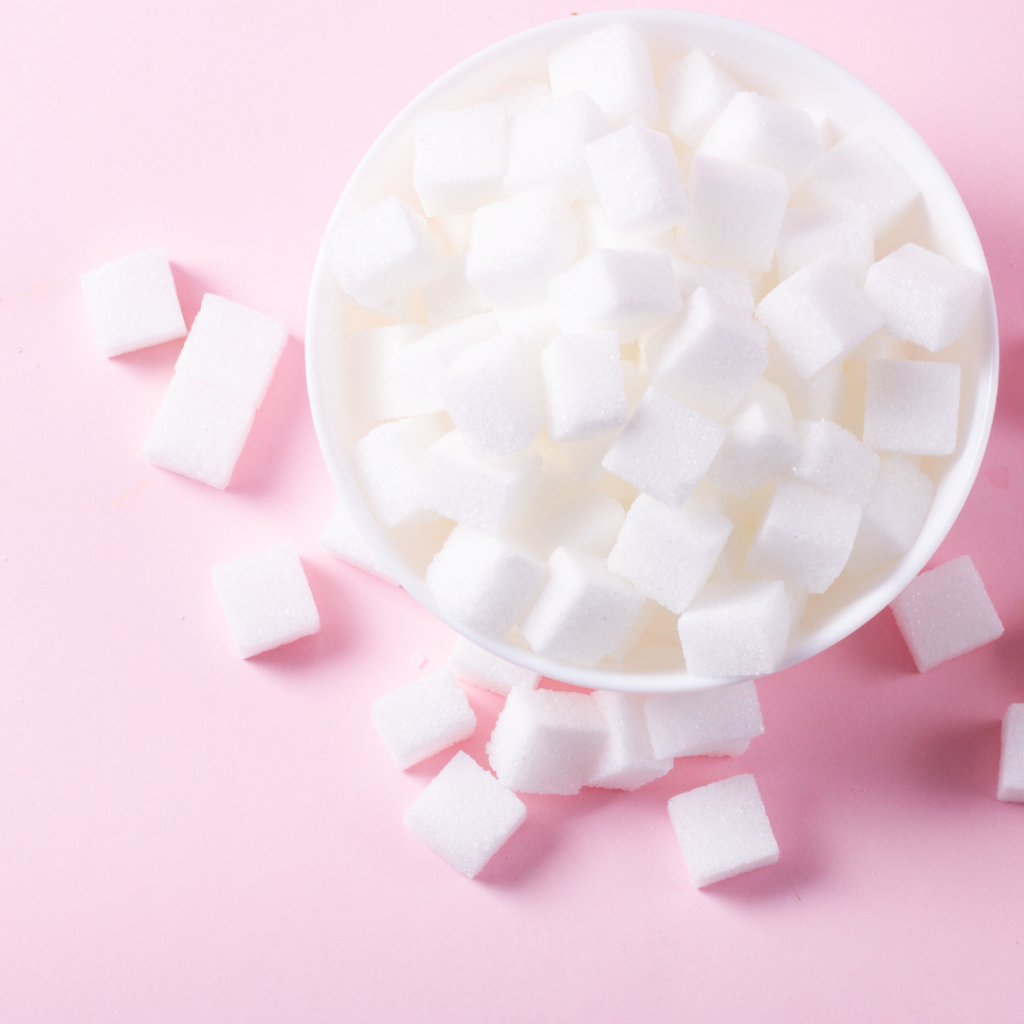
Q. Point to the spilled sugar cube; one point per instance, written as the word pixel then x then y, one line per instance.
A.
pixel 1011 756
pixel 473 664
pixel 721 720
pixel 628 760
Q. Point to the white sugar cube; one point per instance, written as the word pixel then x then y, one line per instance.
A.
pixel 637 180
pixel 465 815
pixel 587 520
pixel 486 494
pixel 841 233
pixel 474 664
pixel 729 283
pixel 761 442
pixel 1011 756
pixel 485 583
pixel 665 448
pixel 547 741
pixel 526 97
pixel 378 386
pixel 754 129
pixel 694 91
pixel 546 146
pixel 817 315
pixel 343 540
pixel 857 172
pixel 718 721
pixel 710 356
pixel 912 406
pixel 822 396
pixel 132 302
pixel 923 297
pixel 736 212
pixel 613 67
pixel 893 515
pixel 199 431
pixel 736 629
pixel 233 347
pixel 535 323
pixel 389 464
pixel 380 255
pixel 420 719
pixel 946 612
pixel 805 537
pixel 668 554
pixel 266 600
pixel 458 160
pixel 627 761
pixel 584 610
pixel 627 291
pixel 517 246
pixel 493 394
pixel 583 385
pixel 723 830
pixel 451 296
pixel 835 461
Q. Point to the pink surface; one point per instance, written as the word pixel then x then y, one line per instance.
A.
pixel 189 837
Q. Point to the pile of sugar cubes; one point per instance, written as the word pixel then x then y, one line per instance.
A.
pixel 624 355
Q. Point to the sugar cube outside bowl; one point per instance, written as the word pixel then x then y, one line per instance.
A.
pixel 765 62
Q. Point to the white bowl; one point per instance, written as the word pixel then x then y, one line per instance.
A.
pixel 768 63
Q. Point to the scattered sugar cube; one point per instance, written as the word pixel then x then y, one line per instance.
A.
pixel 199 431
pixel 694 91
pixel 946 612
pixel 923 297
pixel 627 761
pixel 668 554
pixel 736 212
pixel 637 180
pixel 518 245
pixel 584 610
pixel 912 406
pixel 233 347
pixel 465 815
pixel 613 67
pixel 458 160
pixel 1011 757
pixel 817 315
pixel 723 830
pixel 343 540
pixel 710 356
pixel 546 146
pixel 841 233
pixel 132 302
pixel 418 720
pixel 547 741
pixel 754 129
pixel 835 461
pixel 717 721
pixel 665 448
pixel 893 515
pixel 805 537
pixel 486 494
pixel 451 296
pixel 266 599
pixel 736 629
pixel 857 172
pixel 627 291
pixel 729 283
pixel 378 388
pixel 380 255
pixel 583 385
pixel 485 583
pixel 476 665
pixel 587 520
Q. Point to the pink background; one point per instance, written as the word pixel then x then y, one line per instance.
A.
pixel 188 837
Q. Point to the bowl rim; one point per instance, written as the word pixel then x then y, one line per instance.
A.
pixel 953 486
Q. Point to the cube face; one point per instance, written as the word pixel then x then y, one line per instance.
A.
pixel 727 283
pixel 343 540
pixel 588 520
pixel 465 815
pixel 912 407
pixel 835 461
pixel 233 348
pixel 723 830
pixel 694 91
pixel 627 761
pixel 199 431
pixel 946 612
pixel 423 718
pixel 583 385
pixel 1011 756
pixel 474 664
pixel 840 233
pixel 133 303
pixel 266 600
pixel 719 721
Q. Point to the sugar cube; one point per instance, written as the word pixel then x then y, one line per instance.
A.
pixel 476 665
pixel 729 283
pixel 627 761
pixel 535 323
pixel 694 91
pixel 810 233
pixel 1011 756
pixel 835 461
pixel 343 540
pixel 822 396
pixel 266 599
pixel 451 296
pixel 717 721
pixel 378 387
pixel 586 520
pixel 946 612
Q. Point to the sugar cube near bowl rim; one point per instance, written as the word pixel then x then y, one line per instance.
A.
pixel 767 63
